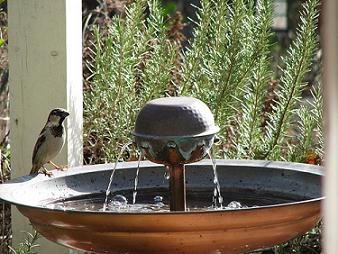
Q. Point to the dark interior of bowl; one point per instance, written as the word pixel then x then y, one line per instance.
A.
pixel 252 183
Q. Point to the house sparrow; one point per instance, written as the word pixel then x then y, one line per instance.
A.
pixel 50 142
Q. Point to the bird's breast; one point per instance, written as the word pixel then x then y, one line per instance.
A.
pixel 57 131
pixel 53 145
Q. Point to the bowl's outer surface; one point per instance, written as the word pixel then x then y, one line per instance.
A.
pixel 228 231
pixel 222 232
pixel 175 117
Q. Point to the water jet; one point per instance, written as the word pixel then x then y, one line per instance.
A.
pixel 281 200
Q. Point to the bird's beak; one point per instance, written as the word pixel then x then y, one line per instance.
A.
pixel 65 114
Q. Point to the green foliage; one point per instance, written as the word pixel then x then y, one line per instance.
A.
pixel 29 245
pixel 297 64
pixel 317 113
pixel 220 61
pixel 169 8
pixel 133 65
pixel 227 65
pixel 249 123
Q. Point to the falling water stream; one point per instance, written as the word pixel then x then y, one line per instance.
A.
pixel 136 178
pixel 112 174
pixel 217 198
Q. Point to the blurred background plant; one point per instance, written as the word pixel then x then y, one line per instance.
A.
pixel 133 63
pixel 140 55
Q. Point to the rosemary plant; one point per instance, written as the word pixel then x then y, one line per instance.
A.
pixel 247 139
pixel 297 64
pixel 217 66
pixel 317 113
pixel 132 66
pixel 227 64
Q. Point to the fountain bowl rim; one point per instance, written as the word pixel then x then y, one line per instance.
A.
pixel 292 166
pixel 211 132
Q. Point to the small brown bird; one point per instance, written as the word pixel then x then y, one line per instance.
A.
pixel 50 142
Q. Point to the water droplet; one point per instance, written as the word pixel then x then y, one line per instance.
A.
pixel 167 173
pixel 112 174
pixel 119 198
pixel 117 202
pixel 235 205
pixel 171 144
pixel 158 199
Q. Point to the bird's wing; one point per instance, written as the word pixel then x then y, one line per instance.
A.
pixel 38 144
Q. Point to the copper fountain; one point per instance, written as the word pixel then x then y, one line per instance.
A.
pixel 174 132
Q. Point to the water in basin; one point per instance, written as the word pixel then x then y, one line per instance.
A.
pixel 157 200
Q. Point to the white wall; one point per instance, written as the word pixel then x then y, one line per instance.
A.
pixel 45 56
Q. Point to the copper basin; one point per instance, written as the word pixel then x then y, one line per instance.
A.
pixel 225 231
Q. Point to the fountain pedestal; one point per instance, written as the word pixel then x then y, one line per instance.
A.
pixel 177 188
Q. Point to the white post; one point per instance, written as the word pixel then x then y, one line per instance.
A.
pixel 330 19
pixel 45 55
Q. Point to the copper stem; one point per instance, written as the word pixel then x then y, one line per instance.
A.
pixel 177 187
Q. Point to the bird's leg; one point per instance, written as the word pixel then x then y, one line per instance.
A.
pixel 46 172
pixel 58 167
